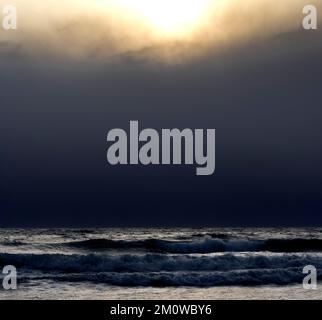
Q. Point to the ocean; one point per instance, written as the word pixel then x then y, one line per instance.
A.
pixel 156 263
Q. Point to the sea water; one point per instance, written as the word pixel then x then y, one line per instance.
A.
pixel 208 263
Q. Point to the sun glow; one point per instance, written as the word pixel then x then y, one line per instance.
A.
pixel 168 17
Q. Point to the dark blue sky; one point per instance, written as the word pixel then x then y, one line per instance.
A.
pixel 264 100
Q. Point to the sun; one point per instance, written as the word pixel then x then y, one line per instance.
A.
pixel 168 17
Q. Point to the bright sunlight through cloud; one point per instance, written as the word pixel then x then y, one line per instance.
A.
pixel 168 17
pixel 171 31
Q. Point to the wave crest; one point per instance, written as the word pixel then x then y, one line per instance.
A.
pixel 205 245
pixel 157 262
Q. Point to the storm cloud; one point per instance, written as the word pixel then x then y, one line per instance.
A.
pixel 70 77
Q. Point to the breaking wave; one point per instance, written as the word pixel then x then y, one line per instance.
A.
pixel 157 262
pixel 205 245
pixel 191 279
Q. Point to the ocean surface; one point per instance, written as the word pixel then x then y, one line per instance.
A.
pixel 220 263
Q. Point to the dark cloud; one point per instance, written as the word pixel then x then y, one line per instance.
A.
pixel 263 98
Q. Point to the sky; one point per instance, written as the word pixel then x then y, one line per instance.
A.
pixel 70 73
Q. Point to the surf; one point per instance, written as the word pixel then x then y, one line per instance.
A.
pixel 118 263
pixel 206 244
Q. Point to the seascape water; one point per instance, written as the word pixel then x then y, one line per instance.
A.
pixel 142 263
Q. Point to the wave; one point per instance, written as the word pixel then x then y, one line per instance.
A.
pixel 191 279
pixel 13 243
pixel 205 245
pixel 156 262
